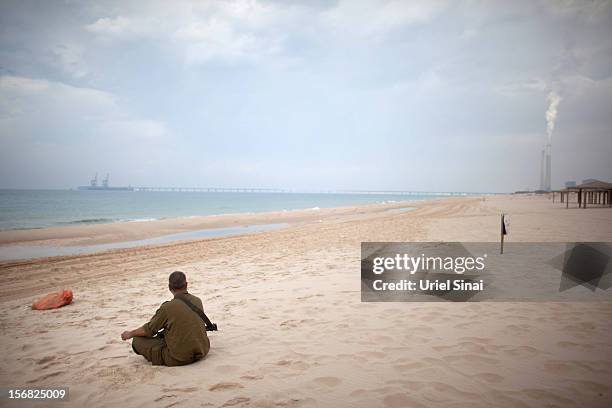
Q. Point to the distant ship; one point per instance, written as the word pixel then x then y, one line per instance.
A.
pixel 93 185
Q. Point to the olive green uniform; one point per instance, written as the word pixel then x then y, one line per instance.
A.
pixel 185 340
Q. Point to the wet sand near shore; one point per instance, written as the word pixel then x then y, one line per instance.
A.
pixel 92 234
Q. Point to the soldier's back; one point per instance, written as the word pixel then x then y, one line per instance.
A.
pixel 185 333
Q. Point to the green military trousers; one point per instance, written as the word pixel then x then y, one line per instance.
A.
pixel 155 350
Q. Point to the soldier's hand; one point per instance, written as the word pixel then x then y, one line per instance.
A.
pixel 126 335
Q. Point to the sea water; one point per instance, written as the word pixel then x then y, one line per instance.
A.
pixel 27 209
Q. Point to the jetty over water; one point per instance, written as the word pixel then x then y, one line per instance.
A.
pixel 213 189
pixel 288 191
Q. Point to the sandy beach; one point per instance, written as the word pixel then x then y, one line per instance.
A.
pixel 293 331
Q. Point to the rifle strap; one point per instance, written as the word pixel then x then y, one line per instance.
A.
pixel 199 312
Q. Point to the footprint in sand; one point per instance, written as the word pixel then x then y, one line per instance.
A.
pixel 421 329
pixel 407 385
pixel 174 404
pixel 542 395
pixel 328 381
pixel 289 324
pixel 571 344
pixel 163 397
pixel 589 386
pixel 371 354
pixel 45 360
pixel 476 339
pixel 518 328
pixel 45 377
pixel 237 401
pixel 401 400
pixel 463 325
pixel 251 377
pixel 186 389
pixel 225 386
pixel 490 378
pixel 384 339
pixel 522 351
pixel 409 366
pixel 359 393
pixel 227 368
pixel 472 359
pixel 298 365
pixel 449 390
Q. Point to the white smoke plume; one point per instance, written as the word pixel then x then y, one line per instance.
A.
pixel 551 114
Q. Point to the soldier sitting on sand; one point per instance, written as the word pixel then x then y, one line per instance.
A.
pixel 184 338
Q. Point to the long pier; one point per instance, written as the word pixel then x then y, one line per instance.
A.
pixel 288 191
pixel 213 189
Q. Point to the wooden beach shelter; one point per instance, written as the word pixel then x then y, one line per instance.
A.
pixel 593 193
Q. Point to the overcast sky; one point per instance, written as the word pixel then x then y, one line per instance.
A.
pixel 437 96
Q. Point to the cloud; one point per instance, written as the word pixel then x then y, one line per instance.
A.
pixel 113 26
pixel 521 86
pixel 69 114
pixel 201 32
pixel 215 39
pixel 147 132
pixel 115 85
pixel 29 97
pixel 16 85
pixel 589 10
pixel 370 18
pixel 52 131
pixel 70 58
pixel 248 31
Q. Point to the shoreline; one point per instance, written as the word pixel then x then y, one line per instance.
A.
pixel 23 252
pixel 453 219
pixel 125 231
pixel 102 208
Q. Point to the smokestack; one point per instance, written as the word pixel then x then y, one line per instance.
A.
pixel 542 170
pixel 547 177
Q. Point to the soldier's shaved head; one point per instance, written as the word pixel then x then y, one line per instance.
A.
pixel 177 281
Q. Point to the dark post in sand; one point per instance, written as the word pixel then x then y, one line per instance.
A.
pixel 504 231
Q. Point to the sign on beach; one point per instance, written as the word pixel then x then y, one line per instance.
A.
pixel 505 222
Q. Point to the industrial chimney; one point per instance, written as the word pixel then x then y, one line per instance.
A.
pixel 542 169
pixel 547 177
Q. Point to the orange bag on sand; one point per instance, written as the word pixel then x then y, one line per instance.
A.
pixel 53 300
